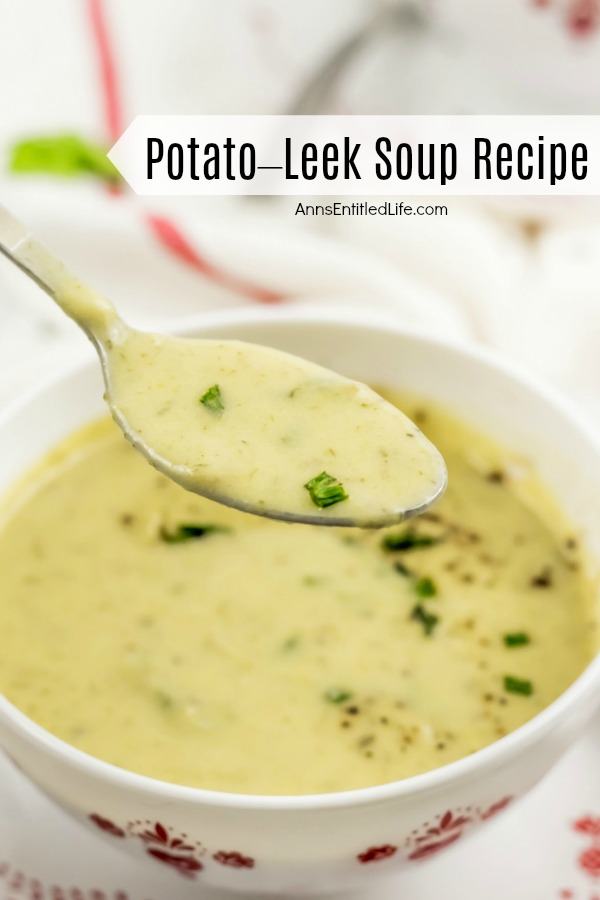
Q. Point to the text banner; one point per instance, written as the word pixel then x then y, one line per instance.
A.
pixel 361 155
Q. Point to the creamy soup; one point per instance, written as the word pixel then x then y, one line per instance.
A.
pixel 184 640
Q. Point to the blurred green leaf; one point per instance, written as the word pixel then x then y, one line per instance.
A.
pixel 65 155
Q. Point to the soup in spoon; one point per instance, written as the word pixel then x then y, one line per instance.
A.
pixel 271 433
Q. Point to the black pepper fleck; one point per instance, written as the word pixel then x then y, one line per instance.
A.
pixel 543 579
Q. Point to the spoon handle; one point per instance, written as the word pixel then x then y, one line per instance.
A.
pixel 90 310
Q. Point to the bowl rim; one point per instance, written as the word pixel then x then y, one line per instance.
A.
pixel 491 757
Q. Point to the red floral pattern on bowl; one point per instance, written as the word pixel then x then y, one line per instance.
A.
pixel 438 837
pixel 234 859
pixel 434 836
pixel 184 855
pixel 107 826
pixel 172 849
pixel 375 854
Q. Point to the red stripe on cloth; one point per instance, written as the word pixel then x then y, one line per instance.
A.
pixel 172 237
pixel 113 111
pixel 164 229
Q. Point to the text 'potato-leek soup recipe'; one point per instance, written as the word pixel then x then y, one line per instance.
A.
pixel 185 640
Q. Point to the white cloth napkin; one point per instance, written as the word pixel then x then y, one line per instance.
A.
pixel 522 278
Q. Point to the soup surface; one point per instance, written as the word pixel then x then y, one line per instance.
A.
pixel 187 641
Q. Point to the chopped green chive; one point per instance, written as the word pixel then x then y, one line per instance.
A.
pixel 212 399
pixel 311 580
pixel 187 532
pixel 290 643
pixel 428 620
pixel 408 539
pixel 425 587
pixel 516 639
pixel 164 700
pixel 518 685
pixel 337 695
pixel 325 490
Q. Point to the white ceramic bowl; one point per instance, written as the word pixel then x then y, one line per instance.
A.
pixel 328 842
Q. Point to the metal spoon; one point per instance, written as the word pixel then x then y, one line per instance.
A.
pixel 146 387
pixel 407 17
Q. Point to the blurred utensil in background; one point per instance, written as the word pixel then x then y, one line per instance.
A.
pixel 407 17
